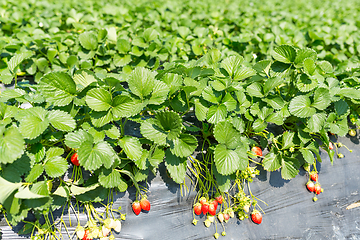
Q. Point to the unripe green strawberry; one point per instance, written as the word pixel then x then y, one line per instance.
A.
pixel 216 235
pixel 352 132
pixel 246 208
pixel 207 223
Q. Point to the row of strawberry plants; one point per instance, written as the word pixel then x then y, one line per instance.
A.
pixel 120 37
pixel 222 107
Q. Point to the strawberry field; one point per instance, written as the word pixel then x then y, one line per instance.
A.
pixel 179 119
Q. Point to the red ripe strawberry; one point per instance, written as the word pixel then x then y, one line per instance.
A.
pixel 314 176
pixel 145 204
pixel 136 207
pixel 256 216
pixel 205 208
pixel 74 159
pixel 310 186
pixel 257 151
pixel 197 208
pixel 317 188
pixel 219 199
pixel 212 209
pixel 213 201
pixel 85 237
pixel 202 200
pixel 331 147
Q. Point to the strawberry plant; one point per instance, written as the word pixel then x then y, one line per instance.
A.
pixel 101 99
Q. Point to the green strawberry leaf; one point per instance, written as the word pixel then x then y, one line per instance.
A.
pixel 300 106
pixel 316 122
pixel 176 166
pixel 150 129
pixel 223 181
pixel 184 145
pixel 6 189
pixel 12 144
pixel 304 53
pixel 88 40
pixel 287 140
pixel 132 147
pixel 58 88
pixel 35 122
pixel 349 93
pixel 98 99
pixel 227 161
pixel 93 156
pixel 231 64
pixel 307 155
pixel 284 54
pixel 159 93
pixel 289 168
pixel 216 113
pixel 17 59
pixel 171 123
pixel 84 78
pixel 55 166
pixel 225 133
pixel 201 109
pixel 35 173
pixel 272 161
pixel 110 178
pixel 75 139
pixel 61 120
pixel 321 99
pixel 306 83
pixel 141 82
